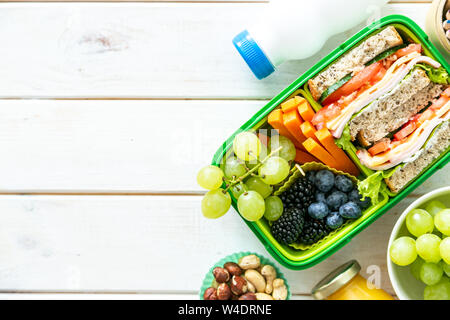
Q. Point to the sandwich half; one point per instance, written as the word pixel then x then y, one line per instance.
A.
pixel 389 101
pixel 414 146
pixel 354 61
pixel 392 111
pixel 438 143
pixel 367 83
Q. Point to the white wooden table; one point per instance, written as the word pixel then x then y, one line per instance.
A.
pixel 107 111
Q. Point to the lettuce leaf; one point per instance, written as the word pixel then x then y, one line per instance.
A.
pixel 373 184
pixel 436 75
pixel 345 141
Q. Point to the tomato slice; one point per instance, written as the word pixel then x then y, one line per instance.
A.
pixel 446 93
pixel 406 131
pixel 359 79
pixel 325 114
pixel 380 147
pixel 414 47
pixel 380 75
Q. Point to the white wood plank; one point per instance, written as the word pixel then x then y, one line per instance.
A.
pixel 114 146
pixel 162 50
pixel 142 244
pixel 195 1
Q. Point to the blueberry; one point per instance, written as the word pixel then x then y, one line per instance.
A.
pixel 318 210
pixel 350 210
pixel 344 184
pixel 320 197
pixel 356 197
pixel 324 180
pixel 335 221
pixel 311 176
pixel 336 200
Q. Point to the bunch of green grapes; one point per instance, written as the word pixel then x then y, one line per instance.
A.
pixel 249 175
pixel 427 252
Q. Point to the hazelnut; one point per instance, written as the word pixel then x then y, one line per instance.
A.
pixel 223 292
pixel 234 297
pixel 233 268
pixel 238 285
pixel 248 296
pixel 210 294
pixel 221 275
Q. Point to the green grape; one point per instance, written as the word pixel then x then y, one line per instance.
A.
pixel 247 146
pixel 256 184
pixel 427 247
pixel 210 178
pixel 444 250
pixel 254 162
pixel 288 152
pixel 234 168
pixel 237 191
pixel 416 266
pixel 446 267
pixel 438 233
pixel 274 208
pixel 274 170
pixel 445 278
pixel 403 251
pixel 442 221
pixel 251 206
pixel 419 222
pixel 431 273
pixel 434 207
pixel 215 204
pixel 440 291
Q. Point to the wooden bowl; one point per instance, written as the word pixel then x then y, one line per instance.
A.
pixel 435 30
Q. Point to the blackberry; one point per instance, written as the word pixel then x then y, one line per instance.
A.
pixel 287 229
pixel 313 231
pixel 300 195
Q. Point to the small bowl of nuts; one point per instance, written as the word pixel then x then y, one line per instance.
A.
pixel 244 276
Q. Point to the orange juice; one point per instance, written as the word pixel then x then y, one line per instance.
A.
pixel 345 283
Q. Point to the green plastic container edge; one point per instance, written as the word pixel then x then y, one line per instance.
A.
pixel 264 112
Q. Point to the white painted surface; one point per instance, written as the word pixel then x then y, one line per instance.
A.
pixel 152 50
pixel 112 246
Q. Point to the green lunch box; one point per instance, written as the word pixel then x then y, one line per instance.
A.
pixel 303 259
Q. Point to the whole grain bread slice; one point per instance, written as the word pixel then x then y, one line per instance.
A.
pixel 437 144
pixel 393 110
pixel 355 60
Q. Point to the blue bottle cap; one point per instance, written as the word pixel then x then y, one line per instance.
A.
pixel 253 55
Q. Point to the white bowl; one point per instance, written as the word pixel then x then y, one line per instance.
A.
pixel 405 285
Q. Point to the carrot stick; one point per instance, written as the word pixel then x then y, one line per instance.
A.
pixel 309 130
pixel 292 122
pixel 306 111
pixel 320 153
pixel 276 121
pixel 303 157
pixel 290 105
pixel 344 162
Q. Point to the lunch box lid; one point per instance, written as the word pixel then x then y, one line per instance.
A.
pixel 260 116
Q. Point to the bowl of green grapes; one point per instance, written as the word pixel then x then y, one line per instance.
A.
pixel 419 249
